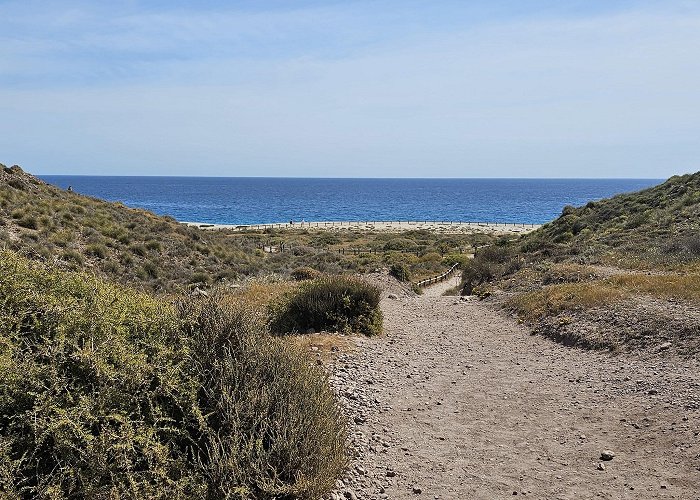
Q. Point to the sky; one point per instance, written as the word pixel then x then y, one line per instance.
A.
pixel 396 88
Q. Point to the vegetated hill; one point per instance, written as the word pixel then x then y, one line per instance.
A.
pixel 134 246
pixel 656 226
pixel 645 294
pixel 75 232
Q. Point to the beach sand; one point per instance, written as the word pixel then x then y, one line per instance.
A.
pixel 383 226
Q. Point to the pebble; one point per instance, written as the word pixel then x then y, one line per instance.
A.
pixel 607 455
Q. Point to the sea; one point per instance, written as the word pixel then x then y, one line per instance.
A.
pixel 260 200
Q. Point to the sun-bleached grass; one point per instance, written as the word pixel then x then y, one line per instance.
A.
pixel 555 299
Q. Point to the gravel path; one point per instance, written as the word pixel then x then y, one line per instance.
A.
pixel 457 401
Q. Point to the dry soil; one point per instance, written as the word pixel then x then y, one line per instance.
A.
pixel 458 401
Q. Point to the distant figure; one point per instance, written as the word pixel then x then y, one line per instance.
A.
pixel 70 188
pixel 291 222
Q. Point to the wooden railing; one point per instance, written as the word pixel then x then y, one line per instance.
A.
pixel 436 279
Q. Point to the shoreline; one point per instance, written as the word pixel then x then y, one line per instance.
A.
pixel 380 226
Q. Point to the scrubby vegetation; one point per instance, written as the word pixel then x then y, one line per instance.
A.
pixel 333 303
pixel 110 393
pixel 625 254
pixel 141 249
pixel 659 226
pixel 136 359
pixel 400 271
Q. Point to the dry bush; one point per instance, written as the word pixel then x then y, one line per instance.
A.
pixel 684 287
pixel 305 273
pixel 110 393
pixel 555 299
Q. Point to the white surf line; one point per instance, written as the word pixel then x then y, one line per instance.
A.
pixel 505 227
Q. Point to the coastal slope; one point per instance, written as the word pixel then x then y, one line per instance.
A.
pixel 616 274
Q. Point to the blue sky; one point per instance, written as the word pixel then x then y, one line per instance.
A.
pixel 594 88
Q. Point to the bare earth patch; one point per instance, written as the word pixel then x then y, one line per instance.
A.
pixel 458 401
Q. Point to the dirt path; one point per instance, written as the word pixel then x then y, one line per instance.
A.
pixel 456 401
pixel 439 288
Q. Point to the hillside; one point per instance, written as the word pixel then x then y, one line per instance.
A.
pixel 133 246
pixel 657 226
pixel 74 231
pixel 620 273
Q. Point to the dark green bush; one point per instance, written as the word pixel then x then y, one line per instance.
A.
pixel 97 250
pixel 139 250
pixel 110 393
pixel 400 244
pixel 400 271
pixel 488 264
pixel 333 303
pixel 28 221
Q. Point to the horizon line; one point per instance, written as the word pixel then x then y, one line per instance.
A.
pixel 348 178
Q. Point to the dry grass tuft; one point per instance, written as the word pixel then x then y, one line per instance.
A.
pixel 555 299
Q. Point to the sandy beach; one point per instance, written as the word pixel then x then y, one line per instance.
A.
pixel 385 226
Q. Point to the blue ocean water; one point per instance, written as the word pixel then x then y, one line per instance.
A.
pixel 246 200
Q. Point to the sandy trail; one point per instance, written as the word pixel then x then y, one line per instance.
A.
pixel 458 401
pixel 440 288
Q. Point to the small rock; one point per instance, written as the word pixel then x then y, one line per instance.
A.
pixel 390 473
pixel 392 296
pixel 665 346
pixel 417 490
pixel 601 466
pixel 607 455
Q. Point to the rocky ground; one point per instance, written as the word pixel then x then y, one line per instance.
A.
pixel 458 401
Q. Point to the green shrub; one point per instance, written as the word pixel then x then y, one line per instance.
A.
pixel 489 263
pixel 334 303
pixel 110 393
pixel 97 250
pixel 400 244
pixel 400 271
pixel 73 256
pixel 199 278
pixel 462 259
pixel 28 221
pixel 139 250
pixel 273 428
pixel 305 273
pixel 153 245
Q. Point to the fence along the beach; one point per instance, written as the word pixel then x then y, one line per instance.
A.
pixel 268 247
pixel 301 225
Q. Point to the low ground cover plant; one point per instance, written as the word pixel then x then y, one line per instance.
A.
pixel 106 392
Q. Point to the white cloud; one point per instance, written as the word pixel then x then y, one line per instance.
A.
pixel 600 95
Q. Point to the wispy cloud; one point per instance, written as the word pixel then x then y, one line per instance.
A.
pixel 354 88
